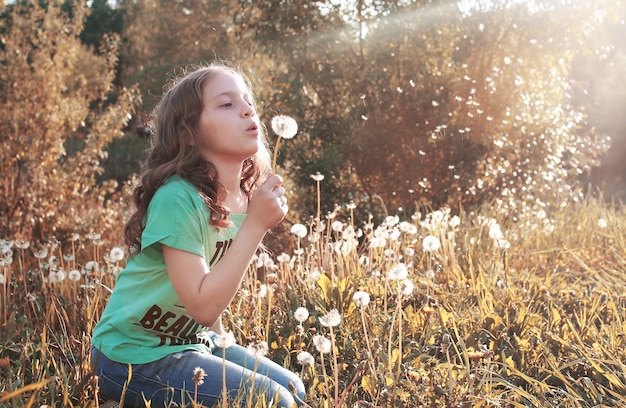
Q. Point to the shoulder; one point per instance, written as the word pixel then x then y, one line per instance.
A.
pixel 176 188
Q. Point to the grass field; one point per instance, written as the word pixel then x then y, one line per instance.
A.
pixel 438 310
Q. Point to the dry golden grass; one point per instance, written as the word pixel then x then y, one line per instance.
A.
pixel 493 312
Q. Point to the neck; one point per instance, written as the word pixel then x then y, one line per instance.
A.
pixel 235 199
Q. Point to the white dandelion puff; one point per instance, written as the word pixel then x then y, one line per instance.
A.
pixel 116 254
pixel 225 340
pixel 306 359
pixel 299 230
pixel 331 319
pixel 361 298
pixel 322 344
pixel 301 314
pixel 398 272
pixel 431 243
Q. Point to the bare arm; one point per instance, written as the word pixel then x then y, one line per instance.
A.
pixel 207 293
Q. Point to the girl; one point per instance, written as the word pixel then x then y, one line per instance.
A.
pixel 204 203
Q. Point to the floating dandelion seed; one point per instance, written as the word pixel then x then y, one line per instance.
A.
pixel 305 358
pixel 301 314
pixel 285 127
pixel 602 223
pixel 331 319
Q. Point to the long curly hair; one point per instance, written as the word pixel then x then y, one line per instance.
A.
pixel 174 123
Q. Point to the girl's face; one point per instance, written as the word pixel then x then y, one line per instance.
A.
pixel 228 128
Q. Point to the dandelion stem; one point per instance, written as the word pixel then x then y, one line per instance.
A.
pixel 367 342
pixel 335 367
pixel 326 388
pixel 275 155
pixel 269 314
pixel 224 402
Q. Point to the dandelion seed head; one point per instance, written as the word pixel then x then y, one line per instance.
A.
pixel 258 348
pixel 361 298
pixel 52 277
pixel 93 236
pixel 495 232
pixel 431 243
pixel 337 226
pixel 74 275
pixel 305 359
pixel 398 272
pixel 22 244
pixel 407 287
pixel 198 376
pixel 317 176
pixel 602 223
pixel 41 254
pixel 116 254
pixel 408 228
pixel 284 126
pixel 455 221
pixel 301 314
pixel 503 244
pixel 299 230
pixel 331 319
pixel 225 340
pixel 322 344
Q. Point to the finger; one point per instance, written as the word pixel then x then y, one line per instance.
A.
pixel 275 180
pixel 279 191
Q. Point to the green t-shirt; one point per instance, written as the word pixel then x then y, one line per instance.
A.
pixel 144 319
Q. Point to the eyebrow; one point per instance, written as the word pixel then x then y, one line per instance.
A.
pixel 233 93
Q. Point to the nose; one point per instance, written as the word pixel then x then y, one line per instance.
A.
pixel 248 110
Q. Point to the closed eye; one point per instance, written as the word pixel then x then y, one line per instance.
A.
pixel 227 105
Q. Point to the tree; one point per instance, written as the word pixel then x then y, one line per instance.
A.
pixel 422 101
pixel 58 112
pixel 160 37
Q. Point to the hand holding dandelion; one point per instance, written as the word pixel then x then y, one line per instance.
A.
pixel 285 127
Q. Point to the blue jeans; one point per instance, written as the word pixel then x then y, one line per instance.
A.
pixel 170 379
